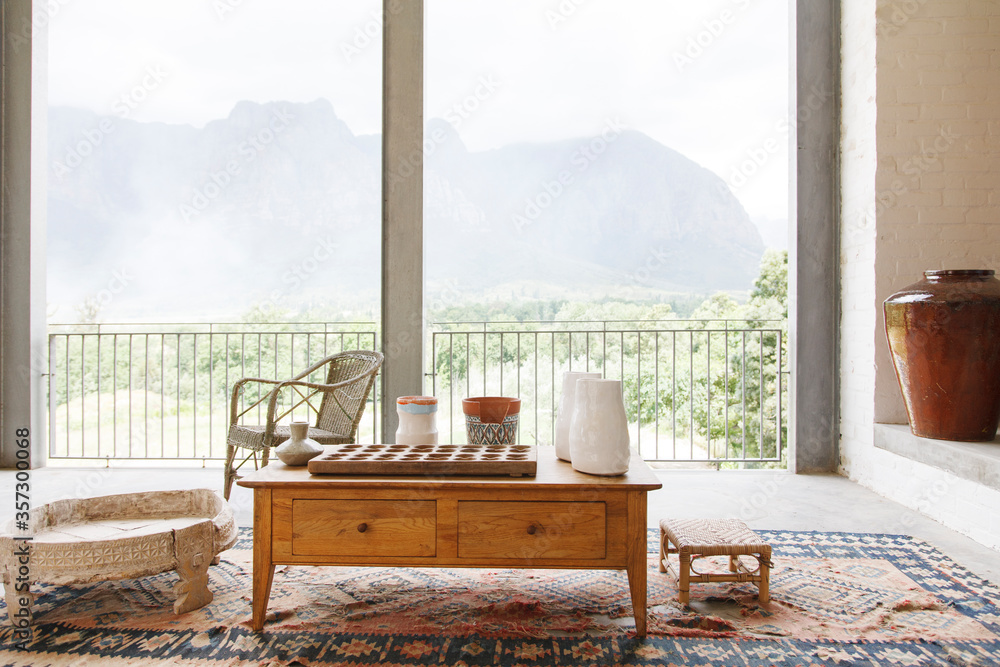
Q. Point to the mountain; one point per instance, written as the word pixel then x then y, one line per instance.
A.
pixel 280 203
pixel 773 231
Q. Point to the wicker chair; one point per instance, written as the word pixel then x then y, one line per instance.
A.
pixel 342 398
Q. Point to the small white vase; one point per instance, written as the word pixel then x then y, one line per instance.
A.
pixel 598 432
pixel 417 420
pixel 298 449
pixel 567 402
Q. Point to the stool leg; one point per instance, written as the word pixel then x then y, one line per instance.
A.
pixel 764 585
pixel 732 563
pixel 663 550
pixel 684 584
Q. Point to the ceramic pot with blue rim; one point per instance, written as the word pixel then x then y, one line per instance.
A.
pixel 417 420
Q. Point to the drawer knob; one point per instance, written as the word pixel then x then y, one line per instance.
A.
pixel 531 529
pixel 362 527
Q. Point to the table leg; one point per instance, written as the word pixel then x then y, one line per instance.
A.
pixel 262 578
pixel 637 586
pixel 263 566
pixel 636 556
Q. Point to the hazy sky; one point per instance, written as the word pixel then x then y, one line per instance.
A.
pixel 708 78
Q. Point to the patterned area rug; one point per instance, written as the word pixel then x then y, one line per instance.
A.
pixel 837 599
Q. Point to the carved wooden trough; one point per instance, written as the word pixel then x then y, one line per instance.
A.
pixel 123 536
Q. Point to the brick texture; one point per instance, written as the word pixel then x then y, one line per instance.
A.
pixel 920 173
pixel 937 95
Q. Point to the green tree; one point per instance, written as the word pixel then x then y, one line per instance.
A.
pixel 743 373
pixel 772 282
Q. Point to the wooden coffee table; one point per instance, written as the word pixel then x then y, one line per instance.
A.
pixel 558 519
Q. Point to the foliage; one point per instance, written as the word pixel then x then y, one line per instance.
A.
pixel 772 282
pixel 714 378
pixel 145 385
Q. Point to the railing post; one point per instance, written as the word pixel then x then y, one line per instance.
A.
pixel 53 397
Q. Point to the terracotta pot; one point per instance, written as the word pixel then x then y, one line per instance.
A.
pixel 491 420
pixel 944 335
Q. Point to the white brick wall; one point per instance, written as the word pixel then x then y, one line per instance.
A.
pixel 938 99
pixel 920 179
pixel 858 231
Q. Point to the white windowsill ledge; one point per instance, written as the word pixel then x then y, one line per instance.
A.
pixel 975 461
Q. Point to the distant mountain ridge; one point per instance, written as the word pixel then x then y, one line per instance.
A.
pixel 280 203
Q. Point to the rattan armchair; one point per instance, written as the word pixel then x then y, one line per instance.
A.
pixel 338 405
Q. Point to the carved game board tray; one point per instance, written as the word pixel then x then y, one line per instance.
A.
pixel 387 459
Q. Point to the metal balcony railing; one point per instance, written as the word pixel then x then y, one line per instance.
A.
pixel 708 391
pixel 154 391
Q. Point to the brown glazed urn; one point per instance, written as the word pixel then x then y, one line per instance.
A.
pixel 944 336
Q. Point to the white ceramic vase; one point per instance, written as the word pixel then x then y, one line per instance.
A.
pixel 567 402
pixel 598 432
pixel 300 448
pixel 417 420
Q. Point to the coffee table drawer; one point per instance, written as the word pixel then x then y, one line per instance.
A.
pixel 364 527
pixel 532 529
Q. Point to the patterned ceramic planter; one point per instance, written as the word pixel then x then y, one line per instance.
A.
pixel 491 420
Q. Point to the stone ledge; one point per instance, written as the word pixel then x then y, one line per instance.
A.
pixel 977 462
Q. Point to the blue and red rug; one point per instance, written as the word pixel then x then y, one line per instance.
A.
pixel 838 599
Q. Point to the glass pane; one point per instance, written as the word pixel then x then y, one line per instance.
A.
pixel 598 172
pixel 213 161
pixel 614 148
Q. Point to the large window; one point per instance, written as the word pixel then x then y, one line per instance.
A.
pixel 603 180
pixel 212 158
pixel 214 211
pixel 227 166
pixel 609 149
pixel 577 150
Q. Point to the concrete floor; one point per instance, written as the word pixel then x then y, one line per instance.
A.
pixel 764 499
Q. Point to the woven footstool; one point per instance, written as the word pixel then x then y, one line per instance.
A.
pixel 697 538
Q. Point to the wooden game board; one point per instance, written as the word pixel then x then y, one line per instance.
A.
pixel 388 459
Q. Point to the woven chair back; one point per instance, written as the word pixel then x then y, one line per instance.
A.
pixel 341 409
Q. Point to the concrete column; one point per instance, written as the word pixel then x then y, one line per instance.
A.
pixel 23 355
pixel 814 248
pixel 402 206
